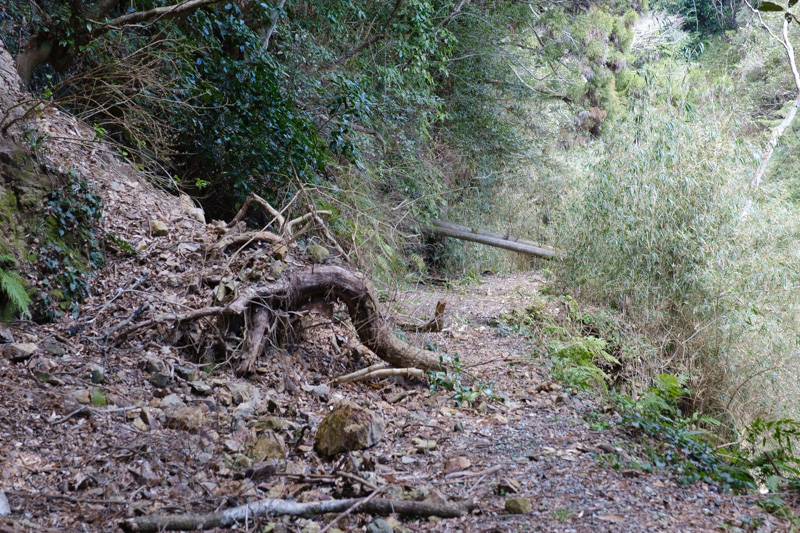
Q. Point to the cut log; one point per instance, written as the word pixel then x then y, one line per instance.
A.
pixel 446 229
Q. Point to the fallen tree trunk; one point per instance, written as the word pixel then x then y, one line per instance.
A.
pixel 446 229
pixel 271 507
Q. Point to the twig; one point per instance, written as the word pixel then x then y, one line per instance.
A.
pixel 486 472
pixel 353 508
pixel 358 373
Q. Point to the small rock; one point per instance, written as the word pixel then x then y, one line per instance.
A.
pixel 244 410
pixel 147 416
pixel 270 423
pixel 5 507
pixel 82 396
pixel 183 418
pixel 198 387
pixel 171 400
pixel 459 427
pixel 160 380
pixel 159 228
pixel 20 351
pixel 269 445
pixel 455 464
pixel 97 374
pixel 379 525
pixel 276 269
pixel 242 392
pixel 187 373
pixel 139 424
pixel 424 445
pixel 519 505
pixel 53 349
pixel 317 253
pixel 348 427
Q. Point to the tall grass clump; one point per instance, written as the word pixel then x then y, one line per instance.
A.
pixel 658 230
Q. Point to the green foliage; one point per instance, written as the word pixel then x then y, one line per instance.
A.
pixel 71 247
pixel 680 442
pixel 14 299
pixel 773 450
pixel 576 361
pixel 452 379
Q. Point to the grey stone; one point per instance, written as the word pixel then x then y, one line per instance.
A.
pixel 171 400
pixel 379 525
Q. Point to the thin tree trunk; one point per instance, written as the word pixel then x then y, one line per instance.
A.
pixel 787 121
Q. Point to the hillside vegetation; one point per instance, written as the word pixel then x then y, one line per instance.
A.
pixel 626 134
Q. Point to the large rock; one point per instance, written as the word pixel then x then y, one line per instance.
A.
pixel 348 427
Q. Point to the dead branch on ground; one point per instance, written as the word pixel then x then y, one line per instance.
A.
pixel 272 507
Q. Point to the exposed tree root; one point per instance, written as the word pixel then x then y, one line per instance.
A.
pixel 271 507
pixel 328 282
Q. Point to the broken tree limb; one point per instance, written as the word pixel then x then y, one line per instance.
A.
pixel 272 507
pixel 445 229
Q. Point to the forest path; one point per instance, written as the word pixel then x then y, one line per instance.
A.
pixel 577 478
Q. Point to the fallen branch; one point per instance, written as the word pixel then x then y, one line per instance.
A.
pixel 383 373
pixel 272 507
pixel 445 229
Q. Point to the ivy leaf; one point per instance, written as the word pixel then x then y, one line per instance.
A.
pixel 770 6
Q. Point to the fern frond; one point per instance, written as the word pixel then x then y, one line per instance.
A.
pixel 13 289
